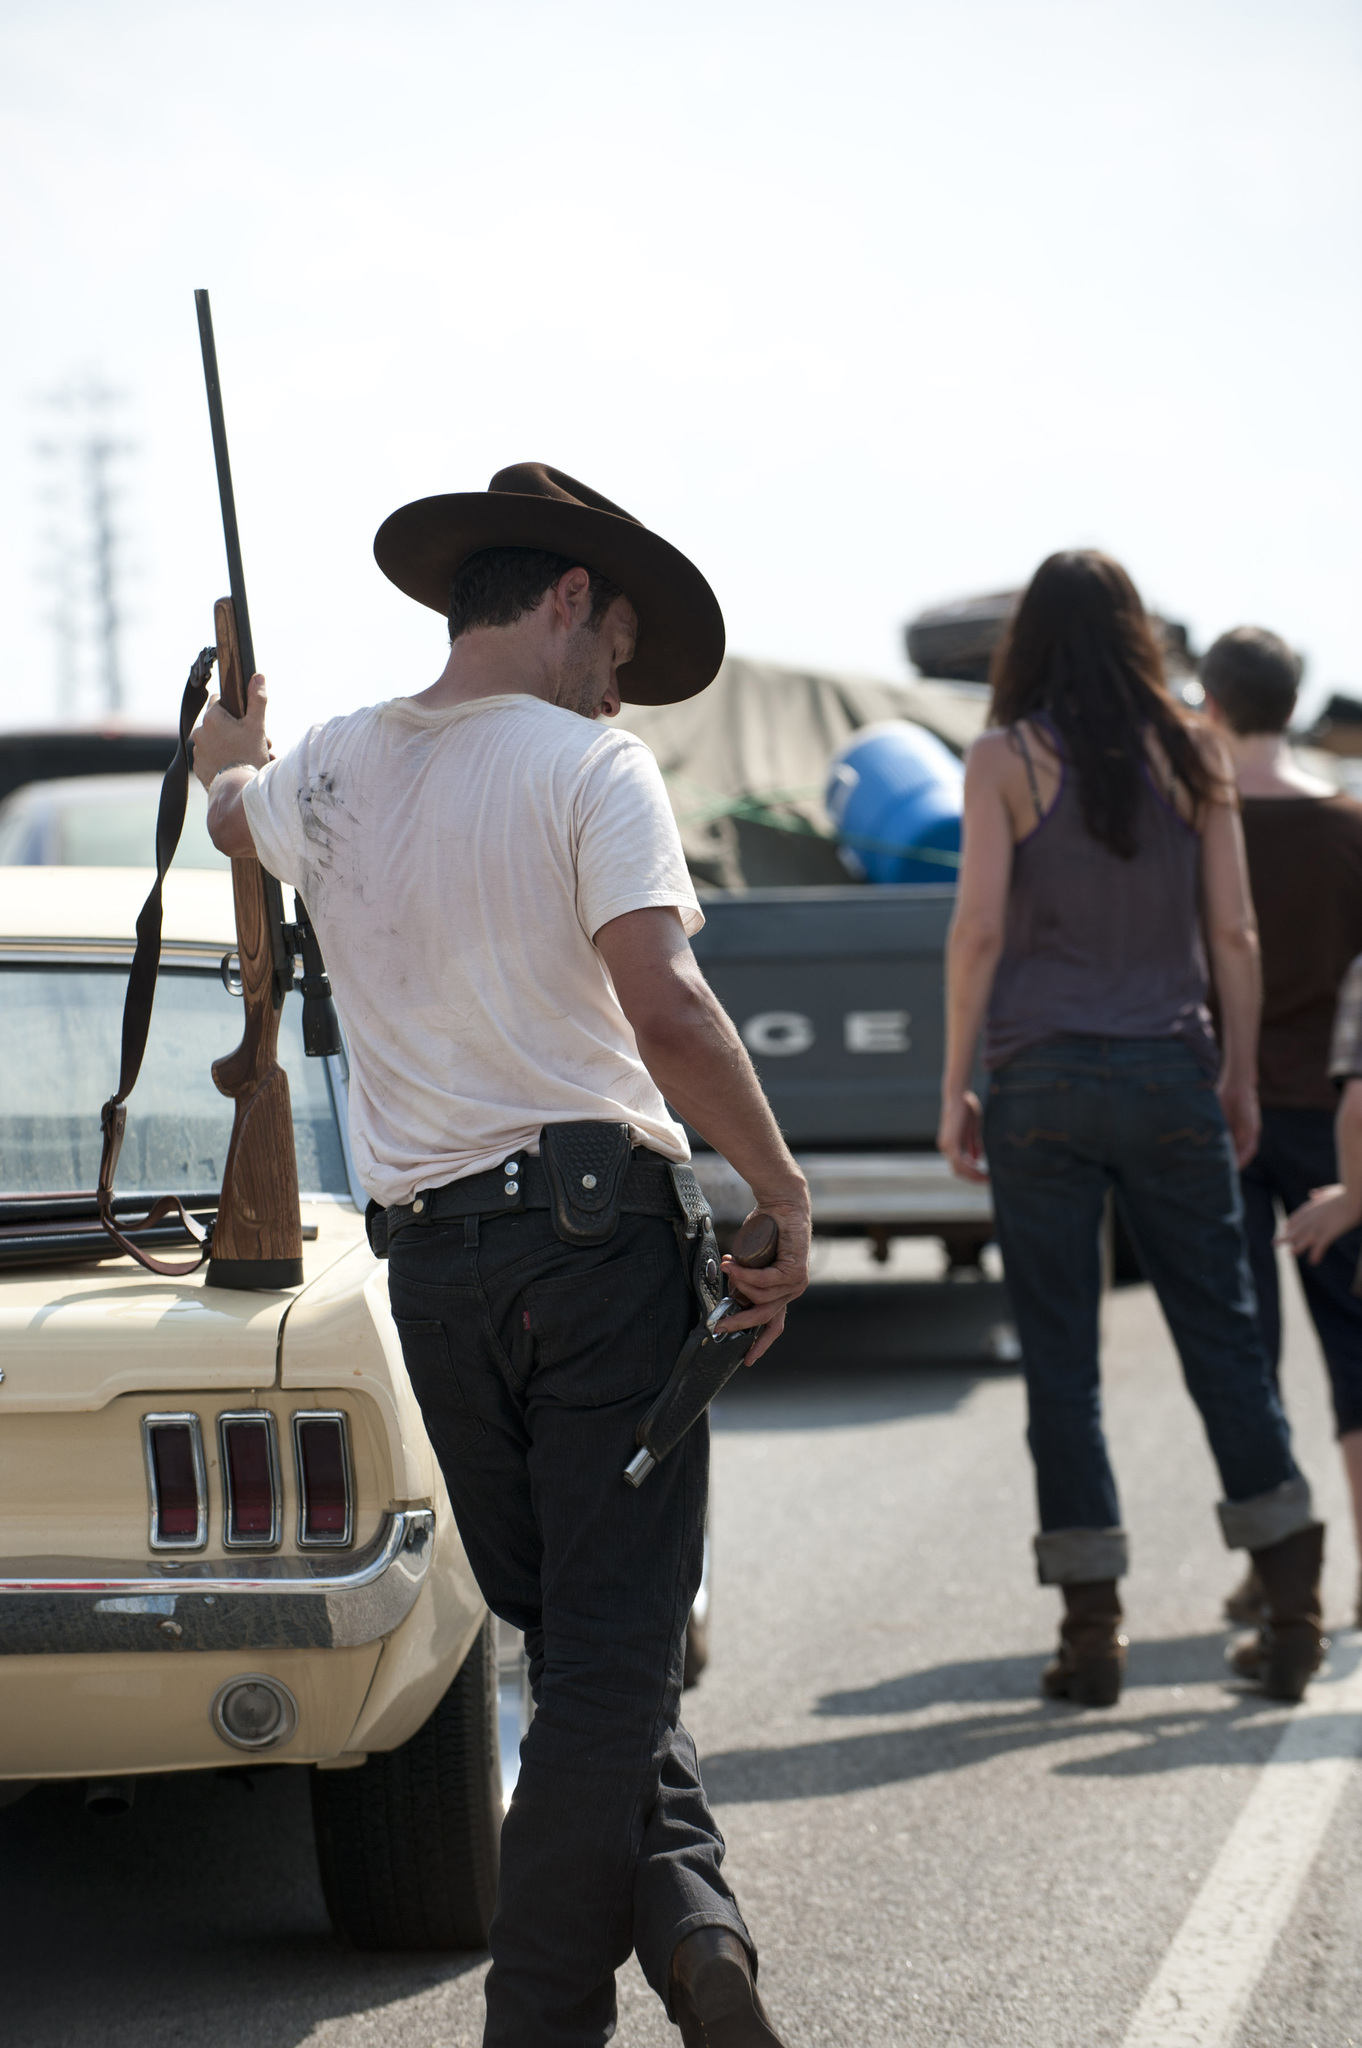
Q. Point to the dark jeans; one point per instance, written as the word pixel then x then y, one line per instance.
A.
pixel 1295 1155
pixel 533 1362
pixel 1065 1122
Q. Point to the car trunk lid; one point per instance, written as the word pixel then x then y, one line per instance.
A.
pixel 75 1337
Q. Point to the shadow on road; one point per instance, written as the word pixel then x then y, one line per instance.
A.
pixel 873 1353
pixel 894 1322
pixel 196 1920
pixel 1175 1660
pixel 1169 1736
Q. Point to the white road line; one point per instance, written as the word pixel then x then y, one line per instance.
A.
pixel 1205 1981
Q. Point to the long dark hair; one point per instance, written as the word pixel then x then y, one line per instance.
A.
pixel 1080 649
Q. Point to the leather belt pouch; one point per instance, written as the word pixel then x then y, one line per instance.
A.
pixel 585 1164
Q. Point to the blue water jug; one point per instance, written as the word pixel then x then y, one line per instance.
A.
pixel 895 796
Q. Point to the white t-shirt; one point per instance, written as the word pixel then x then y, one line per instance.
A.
pixel 456 865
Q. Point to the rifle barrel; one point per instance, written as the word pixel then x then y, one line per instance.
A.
pixel 229 527
pixel 274 897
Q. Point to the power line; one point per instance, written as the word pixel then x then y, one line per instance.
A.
pixel 82 540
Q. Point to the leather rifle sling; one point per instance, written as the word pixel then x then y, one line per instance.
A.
pixel 141 994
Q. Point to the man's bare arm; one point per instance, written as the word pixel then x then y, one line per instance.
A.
pixel 227 754
pixel 690 1047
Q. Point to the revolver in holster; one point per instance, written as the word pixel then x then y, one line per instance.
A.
pixel 708 1359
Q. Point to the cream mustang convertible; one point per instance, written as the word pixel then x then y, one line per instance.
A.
pixel 223 1534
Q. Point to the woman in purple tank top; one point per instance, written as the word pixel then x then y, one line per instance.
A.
pixel 1103 861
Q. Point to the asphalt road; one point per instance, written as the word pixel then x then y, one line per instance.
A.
pixel 926 1852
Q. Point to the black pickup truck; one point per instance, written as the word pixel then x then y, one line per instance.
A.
pixel 835 985
pixel 838 995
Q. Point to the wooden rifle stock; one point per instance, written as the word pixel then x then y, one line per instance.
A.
pixel 258 1235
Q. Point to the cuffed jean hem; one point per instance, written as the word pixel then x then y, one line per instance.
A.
pixel 732 1923
pixel 1080 1557
pixel 1269 1517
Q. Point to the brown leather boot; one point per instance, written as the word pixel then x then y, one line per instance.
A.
pixel 1247 1604
pixel 1289 1647
pixel 714 2000
pixel 1092 1650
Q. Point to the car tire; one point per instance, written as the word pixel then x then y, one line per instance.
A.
pixel 409 1842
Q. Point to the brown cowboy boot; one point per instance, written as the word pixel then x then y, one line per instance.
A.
pixel 1092 1651
pixel 1247 1604
pixel 1289 1647
pixel 714 2000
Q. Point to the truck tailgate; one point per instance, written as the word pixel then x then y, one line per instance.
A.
pixel 838 996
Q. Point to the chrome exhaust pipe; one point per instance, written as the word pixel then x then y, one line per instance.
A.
pixel 110 1795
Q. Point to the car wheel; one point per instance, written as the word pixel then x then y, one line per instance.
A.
pixel 409 1842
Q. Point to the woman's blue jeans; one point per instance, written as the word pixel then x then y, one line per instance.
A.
pixel 1064 1123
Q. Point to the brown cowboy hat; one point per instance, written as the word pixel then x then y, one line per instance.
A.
pixel 529 505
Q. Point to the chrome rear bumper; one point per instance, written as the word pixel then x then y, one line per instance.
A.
pixel 66 1605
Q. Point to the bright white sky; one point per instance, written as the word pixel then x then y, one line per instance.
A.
pixel 862 305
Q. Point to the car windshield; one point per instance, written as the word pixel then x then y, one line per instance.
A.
pixel 100 821
pixel 60 1036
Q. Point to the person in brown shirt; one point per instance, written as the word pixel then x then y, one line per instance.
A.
pixel 1336 1208
pixel 1304 844
pixel 1334 1211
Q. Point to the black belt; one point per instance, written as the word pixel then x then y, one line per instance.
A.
pixel 520 1183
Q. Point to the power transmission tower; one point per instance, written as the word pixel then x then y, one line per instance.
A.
pixel 83 540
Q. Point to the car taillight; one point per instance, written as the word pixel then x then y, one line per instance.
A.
pixel 176 1480
pixel 325 1506
pixel 253 1504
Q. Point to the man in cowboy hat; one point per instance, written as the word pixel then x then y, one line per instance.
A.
pixel 499 888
